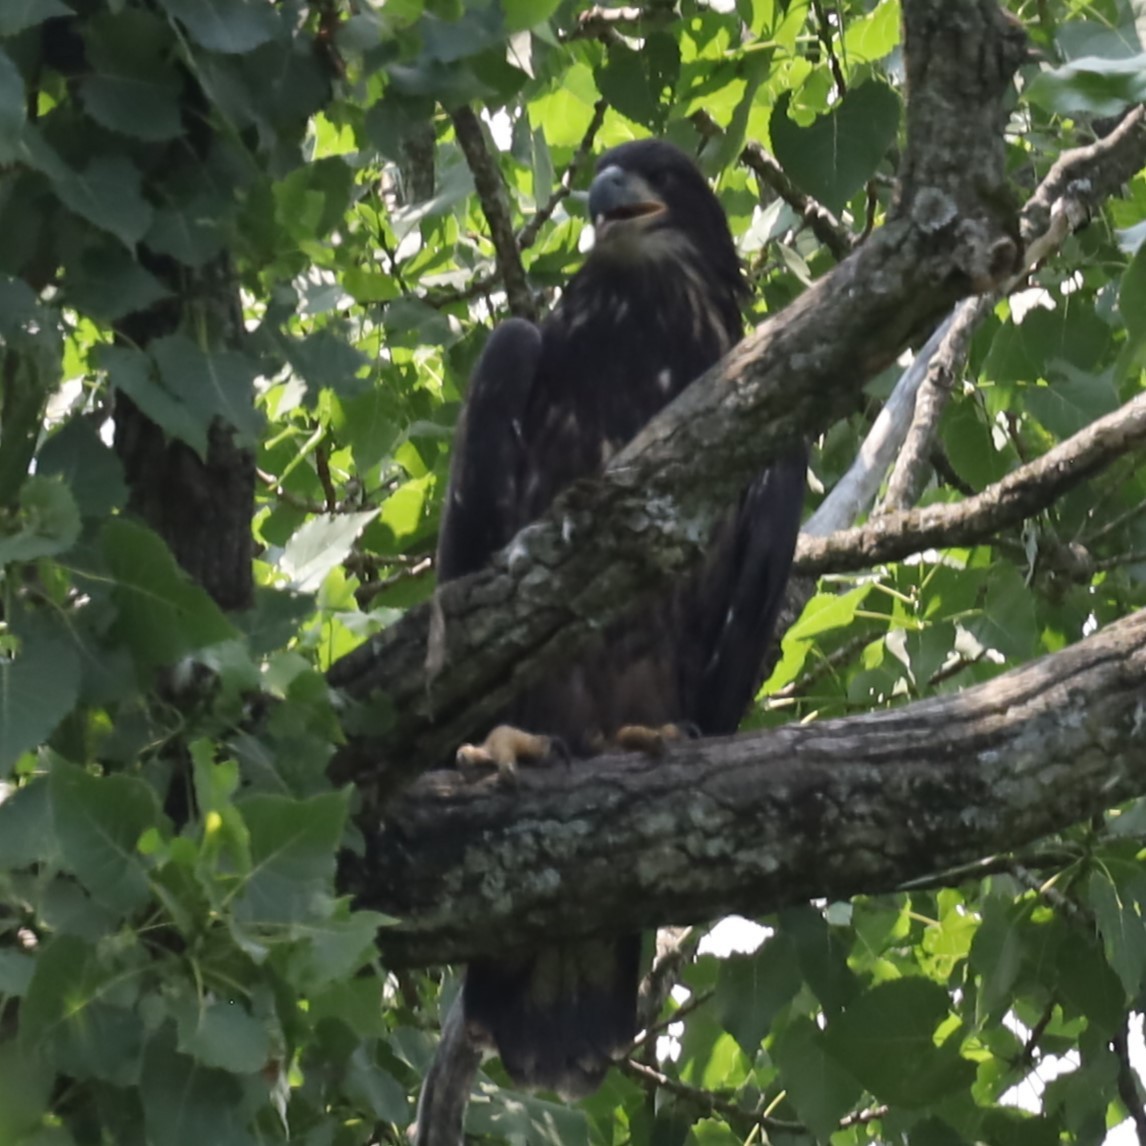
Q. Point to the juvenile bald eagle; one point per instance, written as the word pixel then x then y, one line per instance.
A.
pixel 657 302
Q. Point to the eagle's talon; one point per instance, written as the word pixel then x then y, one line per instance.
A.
pixel 506 747
pixel 653 741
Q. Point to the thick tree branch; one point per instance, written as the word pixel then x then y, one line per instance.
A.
pixel 604 544
pixel 1019 495
pixel 749 824
pixel 495 204
pixel 910 417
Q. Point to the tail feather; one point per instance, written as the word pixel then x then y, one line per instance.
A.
pixel 559 1016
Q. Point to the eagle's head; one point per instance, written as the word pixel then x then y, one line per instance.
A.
pixel 648 201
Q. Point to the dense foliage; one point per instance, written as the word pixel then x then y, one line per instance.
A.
pixel 176 966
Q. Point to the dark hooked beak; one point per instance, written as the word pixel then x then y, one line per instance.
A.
pixel 616 195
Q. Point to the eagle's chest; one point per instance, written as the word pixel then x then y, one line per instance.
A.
pixel 606 369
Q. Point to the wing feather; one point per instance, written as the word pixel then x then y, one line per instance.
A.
pixel 482 507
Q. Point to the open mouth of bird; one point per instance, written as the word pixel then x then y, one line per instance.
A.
pixel 627 212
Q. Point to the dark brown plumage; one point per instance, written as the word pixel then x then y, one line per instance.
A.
pixel 657 302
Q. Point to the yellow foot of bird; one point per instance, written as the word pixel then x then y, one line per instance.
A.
pixel 506 747
pixel 652 741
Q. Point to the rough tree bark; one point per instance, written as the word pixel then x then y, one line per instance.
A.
pixel 470 868
pixel 752 823
pixel 647 519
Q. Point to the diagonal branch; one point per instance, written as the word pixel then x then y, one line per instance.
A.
pixel 527 236
pixel 644 523
pixel 1021 494
pixel 495 204
pixel 752 823
pixel 822 223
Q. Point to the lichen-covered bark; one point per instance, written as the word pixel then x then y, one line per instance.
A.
pixel 604 545
pixel 749 824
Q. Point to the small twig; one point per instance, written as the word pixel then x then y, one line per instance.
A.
pixel 367 592
pixel 909 475
pixel 822 223
pixel 871 206
pixel 946 672
pixel 527 236
pixel 824 33
pixel 607 24
pixel 679 1015
pixel 1129 1084
pixel 1027 1054
pixel 322 469
pixel 1116 523
pixel 495 204
pixel 861 1117
pixel 1135 557
pixel 675 948
pixel 824 667
pixel 447 296
pixel 288 498
pixel 706 1100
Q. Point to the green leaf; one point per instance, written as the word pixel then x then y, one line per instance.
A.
pixel 37 690
pixel 130 371
pixel 75 454
pixel 836 155
pixel 821 954
pixel 162 614
pixel 228 26
pixel 25 1087
pixel 827 611
pixel 1132 298
pixel 222 1034
pixel 134 87
pixel 1008 622
pixel 1093 85
pixel 16 15
pixel 641 84
pixel 107 193
pixel 752 989
pixel 340 946
pixel 886 1039
pixel 188 1104
pixel 1072 402
pixel 48 521
pixel 327 362
pixel 211 383
pixel 376 1089
pixel 80 1013
pixel 1089 984
pixel 26 832
pixel 820 1089
pixel 523 14
pixel 107 283
pixel 1122 929
pixel 133 105
pixel 997 955
pixel 321 544
pixel 99 820
pixel 516 1117
pixel 293 844
pixel 190 233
